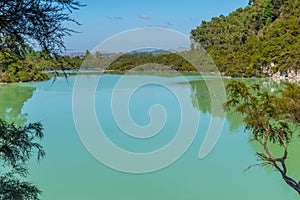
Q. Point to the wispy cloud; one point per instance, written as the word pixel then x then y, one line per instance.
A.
pixel 143 16
pixel 116 18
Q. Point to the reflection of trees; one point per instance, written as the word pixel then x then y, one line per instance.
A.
pixel 12 99
pixel 17 143
pixel 201 98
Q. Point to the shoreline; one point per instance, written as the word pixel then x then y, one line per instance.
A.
pixel 89 71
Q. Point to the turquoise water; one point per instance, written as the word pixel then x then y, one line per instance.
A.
pixel 70 172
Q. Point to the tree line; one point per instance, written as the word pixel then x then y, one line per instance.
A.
pixel 187 61
pixel 256 41
pixel 33 65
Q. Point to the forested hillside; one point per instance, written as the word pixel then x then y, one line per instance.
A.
pixel 137 61
pixel 262 39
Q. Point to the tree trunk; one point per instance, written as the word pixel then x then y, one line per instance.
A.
pixel 291 182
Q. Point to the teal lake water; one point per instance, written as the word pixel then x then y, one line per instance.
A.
pixel 70 172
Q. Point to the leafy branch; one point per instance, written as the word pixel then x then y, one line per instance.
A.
pixel 269 118
pixel 17 144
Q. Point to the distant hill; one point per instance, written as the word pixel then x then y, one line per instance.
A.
pixel 262 39
pixel 159 51
pixel 149 50
pixel 76 54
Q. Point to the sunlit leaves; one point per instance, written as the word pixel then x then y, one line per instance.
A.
pixel 248 40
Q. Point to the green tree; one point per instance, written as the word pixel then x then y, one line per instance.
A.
pixel 17 144
pixel 268 12
pixel 35 21
pixel 270 119
pixel 26 23
pixel 22 23
pixel 256 41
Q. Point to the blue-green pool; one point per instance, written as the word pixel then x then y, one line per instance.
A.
pixel 70 172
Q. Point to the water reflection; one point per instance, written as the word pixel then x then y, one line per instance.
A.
pixel 70 172
pixel 201 99
pixel 12 99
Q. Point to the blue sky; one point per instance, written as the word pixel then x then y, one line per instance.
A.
pixel 102 19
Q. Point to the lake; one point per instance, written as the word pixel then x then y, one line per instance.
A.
pixel 70 172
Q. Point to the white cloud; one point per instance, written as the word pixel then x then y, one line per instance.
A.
pixel 143 16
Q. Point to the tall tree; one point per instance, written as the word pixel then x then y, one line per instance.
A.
pixel 271 119
pixel 23 22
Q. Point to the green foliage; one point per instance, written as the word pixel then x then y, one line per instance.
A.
pixel 270 118
pixel 260 110
pixel 248 40
pixel 37 21
pixel 34 22
pixel 13 188
pixel 267 13
pixel 290 102
pixel 21 71
pixel 17 144
pixel 33 65
pixel 138 61
pixel 15 141
pixel 186 61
